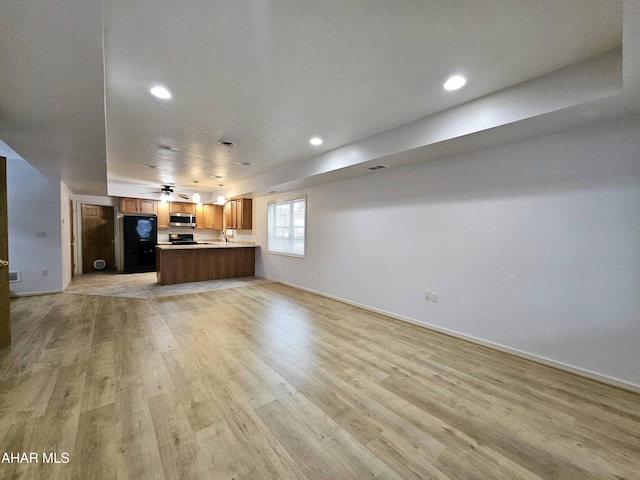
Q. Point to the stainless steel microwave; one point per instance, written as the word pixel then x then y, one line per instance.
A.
pixel 182 220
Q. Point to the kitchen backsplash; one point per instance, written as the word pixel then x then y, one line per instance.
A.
pixel 205 235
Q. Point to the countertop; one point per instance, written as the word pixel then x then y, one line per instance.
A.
pixel 200 246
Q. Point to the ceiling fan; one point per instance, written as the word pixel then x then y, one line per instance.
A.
pixel 167 193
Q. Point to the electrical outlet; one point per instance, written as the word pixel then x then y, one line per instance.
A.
pixel 434 297
pixel 45 273
pixel 41 234
pixel 427 296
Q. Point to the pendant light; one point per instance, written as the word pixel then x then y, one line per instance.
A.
pixel 196 196
pixel 220 200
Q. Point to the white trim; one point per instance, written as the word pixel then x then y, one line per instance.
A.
pixel 616 382
pixel 306 225
pixel 284 254
pixel 33 294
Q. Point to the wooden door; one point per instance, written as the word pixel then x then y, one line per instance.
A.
pixel 97 237
pixel 5 320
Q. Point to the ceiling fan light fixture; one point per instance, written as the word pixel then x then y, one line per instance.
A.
pixel 167 194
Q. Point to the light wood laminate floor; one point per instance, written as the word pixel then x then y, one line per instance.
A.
pixel 267 381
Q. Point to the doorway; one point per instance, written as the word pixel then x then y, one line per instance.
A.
pixel 98 233
pixel 5 308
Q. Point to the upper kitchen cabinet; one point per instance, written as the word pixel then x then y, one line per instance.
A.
pixel 181 207
pixel 238 214
pixel 209 216
pixel 138 205
pixel 163 215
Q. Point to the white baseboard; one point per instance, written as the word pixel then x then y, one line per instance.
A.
pixel 616 382
pixel 33 294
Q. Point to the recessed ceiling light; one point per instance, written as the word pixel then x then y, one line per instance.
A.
pixel 243 163
pixel 148 166
pixel 226 143
pixel 315 141
pixel 455 82
pixel 216 176
pixel 160 92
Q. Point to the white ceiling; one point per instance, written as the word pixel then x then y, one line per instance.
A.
pixel 365 75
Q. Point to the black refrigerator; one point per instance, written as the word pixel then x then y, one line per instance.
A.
pixel 140 238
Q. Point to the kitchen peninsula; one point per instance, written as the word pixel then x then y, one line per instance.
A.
pixel 204 261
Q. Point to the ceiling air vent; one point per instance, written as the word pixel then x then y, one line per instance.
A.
pixel 226 143
pixel 167 147
pixel 15 277
pixel 378 167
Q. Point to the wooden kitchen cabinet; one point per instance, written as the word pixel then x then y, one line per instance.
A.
pixel 213 216
pixel 148 206
pixel 209 216
pixel 138 205
pixel 182 207
pixel 182 265
pixel 163 215
pixel 238 214
pixel 244 214
pixel 230 214
pixel 200 223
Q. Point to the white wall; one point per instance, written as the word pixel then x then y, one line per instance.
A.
pixel 33 206
pixel 534 247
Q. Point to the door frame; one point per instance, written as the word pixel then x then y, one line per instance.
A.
pixel 5 302
pixel 72 240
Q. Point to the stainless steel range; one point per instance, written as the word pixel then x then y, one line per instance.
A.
pixel 182 239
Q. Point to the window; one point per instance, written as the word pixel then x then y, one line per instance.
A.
pixel 286 225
